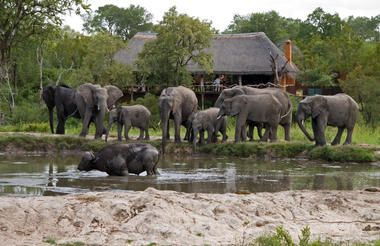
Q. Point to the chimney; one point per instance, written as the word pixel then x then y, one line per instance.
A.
pixel 288 51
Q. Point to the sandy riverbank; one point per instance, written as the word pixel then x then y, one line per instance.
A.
pixel 169 217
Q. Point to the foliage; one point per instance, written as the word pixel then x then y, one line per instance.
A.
pixel 343 153
pixel 180 41
pixel 21 19
pixel 276 27
pixel 100 60
pixel 365 89
pixel 122 22
pixel 315 78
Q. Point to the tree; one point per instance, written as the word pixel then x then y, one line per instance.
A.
pixel 180 40
pixel 123 22
pixel 367 28
pixel 276 27
pixel 100 62
pixel 321 23
pixel 23 19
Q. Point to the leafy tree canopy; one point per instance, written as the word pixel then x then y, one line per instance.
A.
pixel 21 19
pixel 180 40
pixel 277 28
pixel 123 22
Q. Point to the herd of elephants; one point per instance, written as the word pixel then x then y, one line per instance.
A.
pixel 261 108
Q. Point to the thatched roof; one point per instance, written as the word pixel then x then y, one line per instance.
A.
pixel 239 54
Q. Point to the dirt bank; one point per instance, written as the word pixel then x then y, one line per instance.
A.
pixel 169 217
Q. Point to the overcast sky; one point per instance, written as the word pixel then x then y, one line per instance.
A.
pixel 221 12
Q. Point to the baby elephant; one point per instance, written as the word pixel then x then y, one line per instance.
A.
pixel 121 159
pixel 137 116
pixel 207 120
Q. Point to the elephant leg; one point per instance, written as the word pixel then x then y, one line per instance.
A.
pixel 147 133
pixel 319 131
pixel 119 129
pixel 86 122
pixel 177 128
pixel 211 136
pixel 260 130
pixel 338 136
pixel 349 136
pixel 251 128
pixel 141 136
pixel 273 133
pixel 188 131
pixel 128 126
pixel 287 131
pixel 202 137
pixel 61 120
pixel 167 131
pixel 240 123
pixel 265 137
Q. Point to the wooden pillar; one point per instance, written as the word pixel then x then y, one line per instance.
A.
pixel 202 93
pixel 240 80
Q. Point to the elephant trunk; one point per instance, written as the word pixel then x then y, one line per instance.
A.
pixel 218 102
pixel 299 121
pixel 195 134
pixel 99 122
pixel 108 129
pixel 51 120
pixel 165 122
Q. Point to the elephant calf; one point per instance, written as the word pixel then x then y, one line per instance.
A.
pixel 207 120
pixel 122 159
pixel 137 116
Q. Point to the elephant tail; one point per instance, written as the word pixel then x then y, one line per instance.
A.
pixel 287 113
pixel 72 114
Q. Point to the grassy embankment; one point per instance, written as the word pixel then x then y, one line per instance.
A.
pixel 294 149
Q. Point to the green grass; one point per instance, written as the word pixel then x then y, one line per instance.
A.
pixel 283 238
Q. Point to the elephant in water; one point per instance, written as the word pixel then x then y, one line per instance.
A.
pixel 136 115
pixel 92 102
pixel 286 105
pixel 339 110
pixel 177 103
pixel 121 159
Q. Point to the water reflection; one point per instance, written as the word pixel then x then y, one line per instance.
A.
pixel 46 175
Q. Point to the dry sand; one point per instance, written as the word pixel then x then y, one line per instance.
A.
pixel 175 218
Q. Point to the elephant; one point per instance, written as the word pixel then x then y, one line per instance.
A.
pixel 262 108
pixel 121 159
pixel 92 102
pixel 280 95
pixel 61 97
pixel 177 103
pixel 339 110
pixel 207 120
pixel 136 115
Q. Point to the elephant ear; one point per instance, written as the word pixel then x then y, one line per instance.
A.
pixel 318 106
pixel 237 104
pixel 87 91
pixel 48 95
pixel 237 92
pixel 114 94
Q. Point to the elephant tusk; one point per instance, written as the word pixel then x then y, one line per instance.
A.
pixel 219 116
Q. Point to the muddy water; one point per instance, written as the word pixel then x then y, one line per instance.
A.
pixel 43 175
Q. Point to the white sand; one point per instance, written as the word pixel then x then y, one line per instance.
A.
pixel 169 217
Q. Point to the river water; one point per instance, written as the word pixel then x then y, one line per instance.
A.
pixel 34 175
